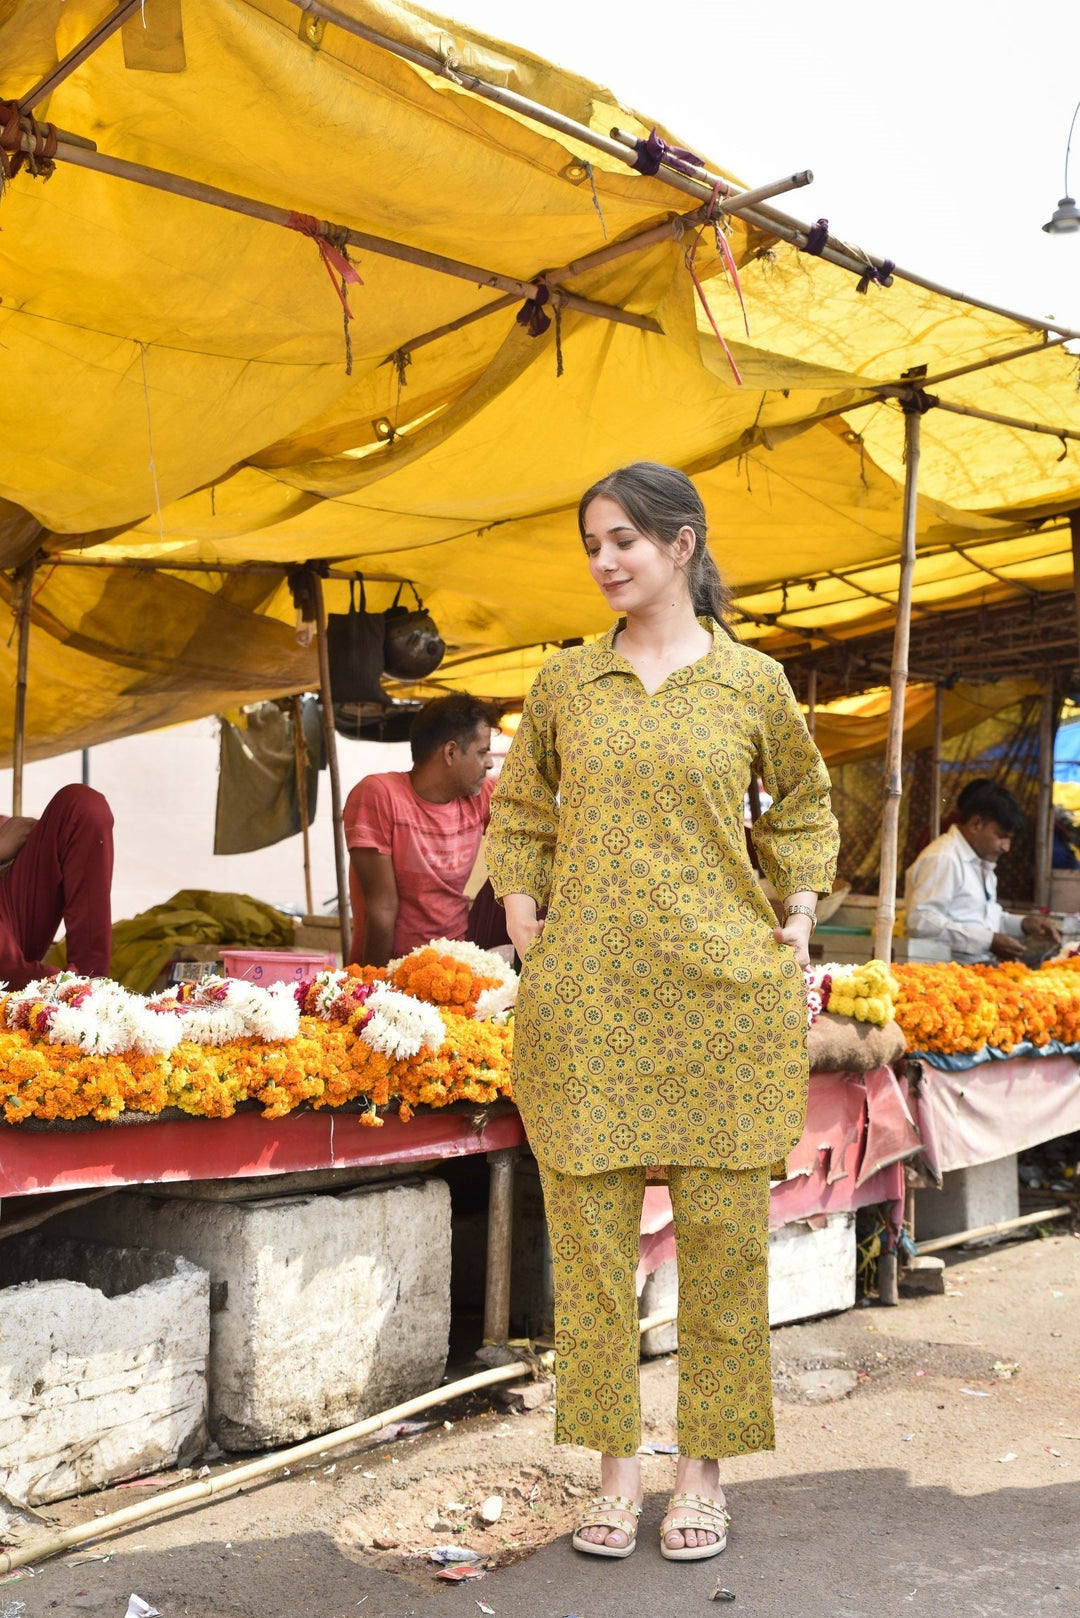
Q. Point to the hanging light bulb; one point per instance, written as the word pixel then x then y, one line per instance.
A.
pixel 1065 218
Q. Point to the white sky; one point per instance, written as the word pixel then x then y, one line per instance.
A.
pixel 936 129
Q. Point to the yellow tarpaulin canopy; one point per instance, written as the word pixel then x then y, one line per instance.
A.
pixel 178 388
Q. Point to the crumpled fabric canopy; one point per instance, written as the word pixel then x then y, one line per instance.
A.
pixel 178 390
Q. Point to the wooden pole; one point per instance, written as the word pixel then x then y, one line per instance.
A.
pixel 811 701
pixel 301 755
pixel 894 753
pixel 75 57
pixel 88 157
pixel 623 146
pixel 935 762
pixel 341 866
pixel 1074 526
pixel 500 1236
pixel 1007 421
pixel 1044 829
pixel 25 574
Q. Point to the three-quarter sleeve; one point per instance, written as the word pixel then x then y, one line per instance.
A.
pixel 797 839
pixel 524 811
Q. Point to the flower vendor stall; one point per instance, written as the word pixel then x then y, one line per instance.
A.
pixel 1000 1053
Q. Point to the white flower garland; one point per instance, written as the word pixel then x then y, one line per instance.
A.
pixel 105 1019
pixel 399 1026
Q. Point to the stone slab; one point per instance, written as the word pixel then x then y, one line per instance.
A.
pixel 103 1354
pixel 324 1308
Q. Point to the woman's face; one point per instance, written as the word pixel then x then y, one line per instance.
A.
pixel 632 571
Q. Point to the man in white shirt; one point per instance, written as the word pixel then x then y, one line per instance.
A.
pixel 952 886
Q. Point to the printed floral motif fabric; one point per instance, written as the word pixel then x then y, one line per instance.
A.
pixel 722 1233
pixel 658 1020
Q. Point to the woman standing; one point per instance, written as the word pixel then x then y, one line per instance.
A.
pixel 662 1016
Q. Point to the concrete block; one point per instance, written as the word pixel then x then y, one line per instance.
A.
pixel 969 1198
pixel 925 1274
pixel 103 1355
pixel 660 1292
pixel 324 1309
pixel 811 1272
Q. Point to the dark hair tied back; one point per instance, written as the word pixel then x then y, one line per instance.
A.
pixel 659 502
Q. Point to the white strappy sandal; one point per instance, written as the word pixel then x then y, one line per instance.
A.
pixel 698 1512
pixel 602 1512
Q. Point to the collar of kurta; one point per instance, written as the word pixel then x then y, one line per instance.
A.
pixel 727 663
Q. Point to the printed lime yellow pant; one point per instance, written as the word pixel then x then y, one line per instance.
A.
pixel 721 1235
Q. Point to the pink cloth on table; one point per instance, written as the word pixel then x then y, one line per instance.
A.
pixel 996 1108
pixel 433 848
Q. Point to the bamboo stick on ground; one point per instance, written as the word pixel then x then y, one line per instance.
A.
pixel 209 1488
pixel 958 1237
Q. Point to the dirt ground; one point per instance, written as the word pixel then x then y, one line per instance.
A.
pixel 928 1461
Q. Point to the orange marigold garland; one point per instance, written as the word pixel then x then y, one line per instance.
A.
pixel 956 1009
pixel 359 1039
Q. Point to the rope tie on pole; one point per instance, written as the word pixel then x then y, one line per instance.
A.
pixel 817 237
pixel 654 150
pixel 331 240
pixel 881 274
pixel 39 151
pixel 595 197
pixel 918 403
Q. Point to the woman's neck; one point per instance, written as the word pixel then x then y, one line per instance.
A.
pixel 665 626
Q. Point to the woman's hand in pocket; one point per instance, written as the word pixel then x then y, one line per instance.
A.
pixel 795 933
pixel 521 921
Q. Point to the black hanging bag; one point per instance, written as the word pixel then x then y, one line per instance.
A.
pixel 356 649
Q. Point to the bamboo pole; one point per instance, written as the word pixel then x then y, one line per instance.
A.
pixel 87 157
pixel 620 144
pixel 958 1237
pixel 300 754
pixel 1067 433
pixel 210 1488
pixel 1074 528
pixel 894 754
pixel 935 762
pixel 78 55
pixel 1044 829
pixel 326 697
pixel 22 629
pixel 811 701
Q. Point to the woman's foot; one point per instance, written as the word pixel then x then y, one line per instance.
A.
pixel 701 1478
pixel 619 1475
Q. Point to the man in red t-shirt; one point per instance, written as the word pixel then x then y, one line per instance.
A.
pixel 413 835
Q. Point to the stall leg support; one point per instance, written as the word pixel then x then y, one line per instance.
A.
pixel 500 1235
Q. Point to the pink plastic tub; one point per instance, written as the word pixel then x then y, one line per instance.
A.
pixel 274 966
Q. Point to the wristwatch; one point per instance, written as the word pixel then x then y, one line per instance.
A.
pixel 802 910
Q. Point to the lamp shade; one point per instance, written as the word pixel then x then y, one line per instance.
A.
pixel 1064 219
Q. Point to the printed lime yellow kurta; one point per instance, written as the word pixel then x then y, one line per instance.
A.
pixel 659 1022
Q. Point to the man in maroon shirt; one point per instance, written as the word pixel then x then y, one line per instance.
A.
pixel 413 835
pixel 58 868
